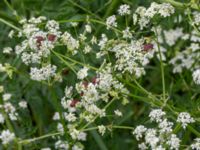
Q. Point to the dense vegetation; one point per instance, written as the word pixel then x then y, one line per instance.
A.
pixel 99 74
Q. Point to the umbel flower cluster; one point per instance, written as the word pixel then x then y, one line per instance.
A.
pixel 155 138
pixel 92 80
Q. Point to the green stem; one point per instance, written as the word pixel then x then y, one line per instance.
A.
pixel 12 9
pixel 74 61
pixel 161 66
pixel 193 130
pixel 56 54
pixel 91 20
pixel 9 24
pixel 177 128
pixel 111 127
pixel 141 88
pixel 27 141
pixel 84 9
pixel 123 127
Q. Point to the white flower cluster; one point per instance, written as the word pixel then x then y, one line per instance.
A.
pixel 196 76
pixel 100 90
pixel 71 43
pixel 157 115
pixel 6 136
pixel 23 104
pixel 82 73
pixel 124 10
pixel 10 110
pixel 62 145
pixel 196 16
pixel 38 43
pixel 102 129
pixel 143 15
pixel 196 144
pixel 169 37
pixel 41 36
pixel 6 96
pixel 157 138
pixel 188 58
pixel 2 120
pixel 43 73
pixel 131 57
pixel 7 50
pixel 8 107
pixel 111 21
pixel 184 118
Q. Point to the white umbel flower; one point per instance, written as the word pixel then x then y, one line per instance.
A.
pixel 72 44
pixel 82 73
pixel 166 10
pixel 139 131
pixel 118 113
pixel 111 21
pixel 7 50
pixel 184 118
pixel 124 10
pixel 165 126
pixel 77 147
pixel 11 34
pixel 77 135
pixel 88 28
pixel 6 96
pixel 151 138
pixel 6 136
pixel 102 129
pixel 70 117
pixel 56 116
pixel 60 128
pixel 43 73
pixel 196 144
pixel 62 145
pixel 196 76
pixel 2 120
pixel 174 142
pixel 68 91
pixel 196 16
pixel 46 148
pixel 23 104
pixel 157 115
pixel 2 68
pixel 142 146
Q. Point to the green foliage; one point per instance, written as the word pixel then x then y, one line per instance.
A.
pixel 43 100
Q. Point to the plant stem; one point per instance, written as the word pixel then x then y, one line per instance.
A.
pixel 84 9
pixel 111 127
pixel 75 61
pixel 27 141
pixel 161 66
pixel 57 54
pixel 9 24
pixel 193 130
